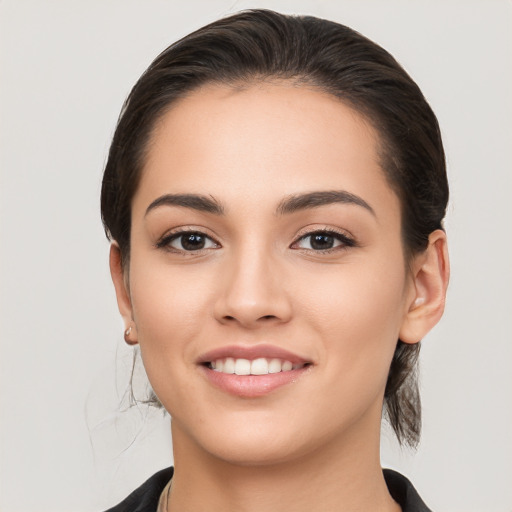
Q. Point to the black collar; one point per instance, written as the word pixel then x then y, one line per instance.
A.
pixel 145 498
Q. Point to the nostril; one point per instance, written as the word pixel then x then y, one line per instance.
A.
pixel 264 318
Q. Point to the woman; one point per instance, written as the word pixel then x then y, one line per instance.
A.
pixel 274 194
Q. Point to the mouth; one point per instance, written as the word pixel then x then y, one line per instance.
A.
pixel 252 371
pixel 259 366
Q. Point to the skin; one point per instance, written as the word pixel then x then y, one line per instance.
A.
pixel 313 443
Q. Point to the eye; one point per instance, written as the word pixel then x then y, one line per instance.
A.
pixel 323 241
pixel 188 241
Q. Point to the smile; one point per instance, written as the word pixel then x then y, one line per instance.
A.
pixel 252 371
pixel 260 366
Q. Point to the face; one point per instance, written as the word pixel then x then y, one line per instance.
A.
pixel 266 240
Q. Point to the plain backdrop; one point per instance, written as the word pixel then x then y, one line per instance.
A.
pixel 66 66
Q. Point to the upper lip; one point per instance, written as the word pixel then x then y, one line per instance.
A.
pixel 251 352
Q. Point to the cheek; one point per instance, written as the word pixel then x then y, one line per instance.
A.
pixel 358 291
pixel 169 309
pixel 357 310
pixel 163 296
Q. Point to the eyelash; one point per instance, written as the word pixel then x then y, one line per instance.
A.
pixel 166 240
pixel 346 241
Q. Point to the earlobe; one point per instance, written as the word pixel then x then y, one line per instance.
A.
pixel 122 294
pixel 431 272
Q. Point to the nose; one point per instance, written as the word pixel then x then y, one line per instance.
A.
pixel 253 292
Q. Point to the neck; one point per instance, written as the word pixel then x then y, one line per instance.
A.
pixel 341 476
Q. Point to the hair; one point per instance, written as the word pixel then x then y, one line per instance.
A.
pixel 262 45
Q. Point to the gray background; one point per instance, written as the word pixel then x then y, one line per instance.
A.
pixel 66 67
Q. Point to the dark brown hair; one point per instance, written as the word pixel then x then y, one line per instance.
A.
pixel 261 45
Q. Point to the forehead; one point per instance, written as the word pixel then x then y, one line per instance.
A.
pixel 269 139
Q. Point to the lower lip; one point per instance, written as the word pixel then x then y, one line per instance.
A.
pixel 252 386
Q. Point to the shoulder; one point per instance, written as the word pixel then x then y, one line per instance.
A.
pixel 404 493
pixel 145 498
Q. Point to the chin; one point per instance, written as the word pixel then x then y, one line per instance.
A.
pixel 255 452
pixel 250 441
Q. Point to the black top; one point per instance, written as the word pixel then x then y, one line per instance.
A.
pixel 145 498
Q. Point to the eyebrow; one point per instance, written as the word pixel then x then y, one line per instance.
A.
pixel 194 201
pixel 315 199
pixel 287 206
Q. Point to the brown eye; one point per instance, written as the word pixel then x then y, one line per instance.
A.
pixel 187 241
pixel 320 242
pixel 192 241
pixel 323 241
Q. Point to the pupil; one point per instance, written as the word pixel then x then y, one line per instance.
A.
pixel 322 242
pixel 192 241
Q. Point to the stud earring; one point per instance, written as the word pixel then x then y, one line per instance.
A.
pixel 127 335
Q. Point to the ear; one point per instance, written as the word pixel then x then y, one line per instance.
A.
pixel 122 293
pixel 431 272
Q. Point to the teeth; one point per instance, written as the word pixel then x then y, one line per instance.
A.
pixel 274 366
pixel 229 365
pixel 242 367
pixel 260 366
pixel 287 366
